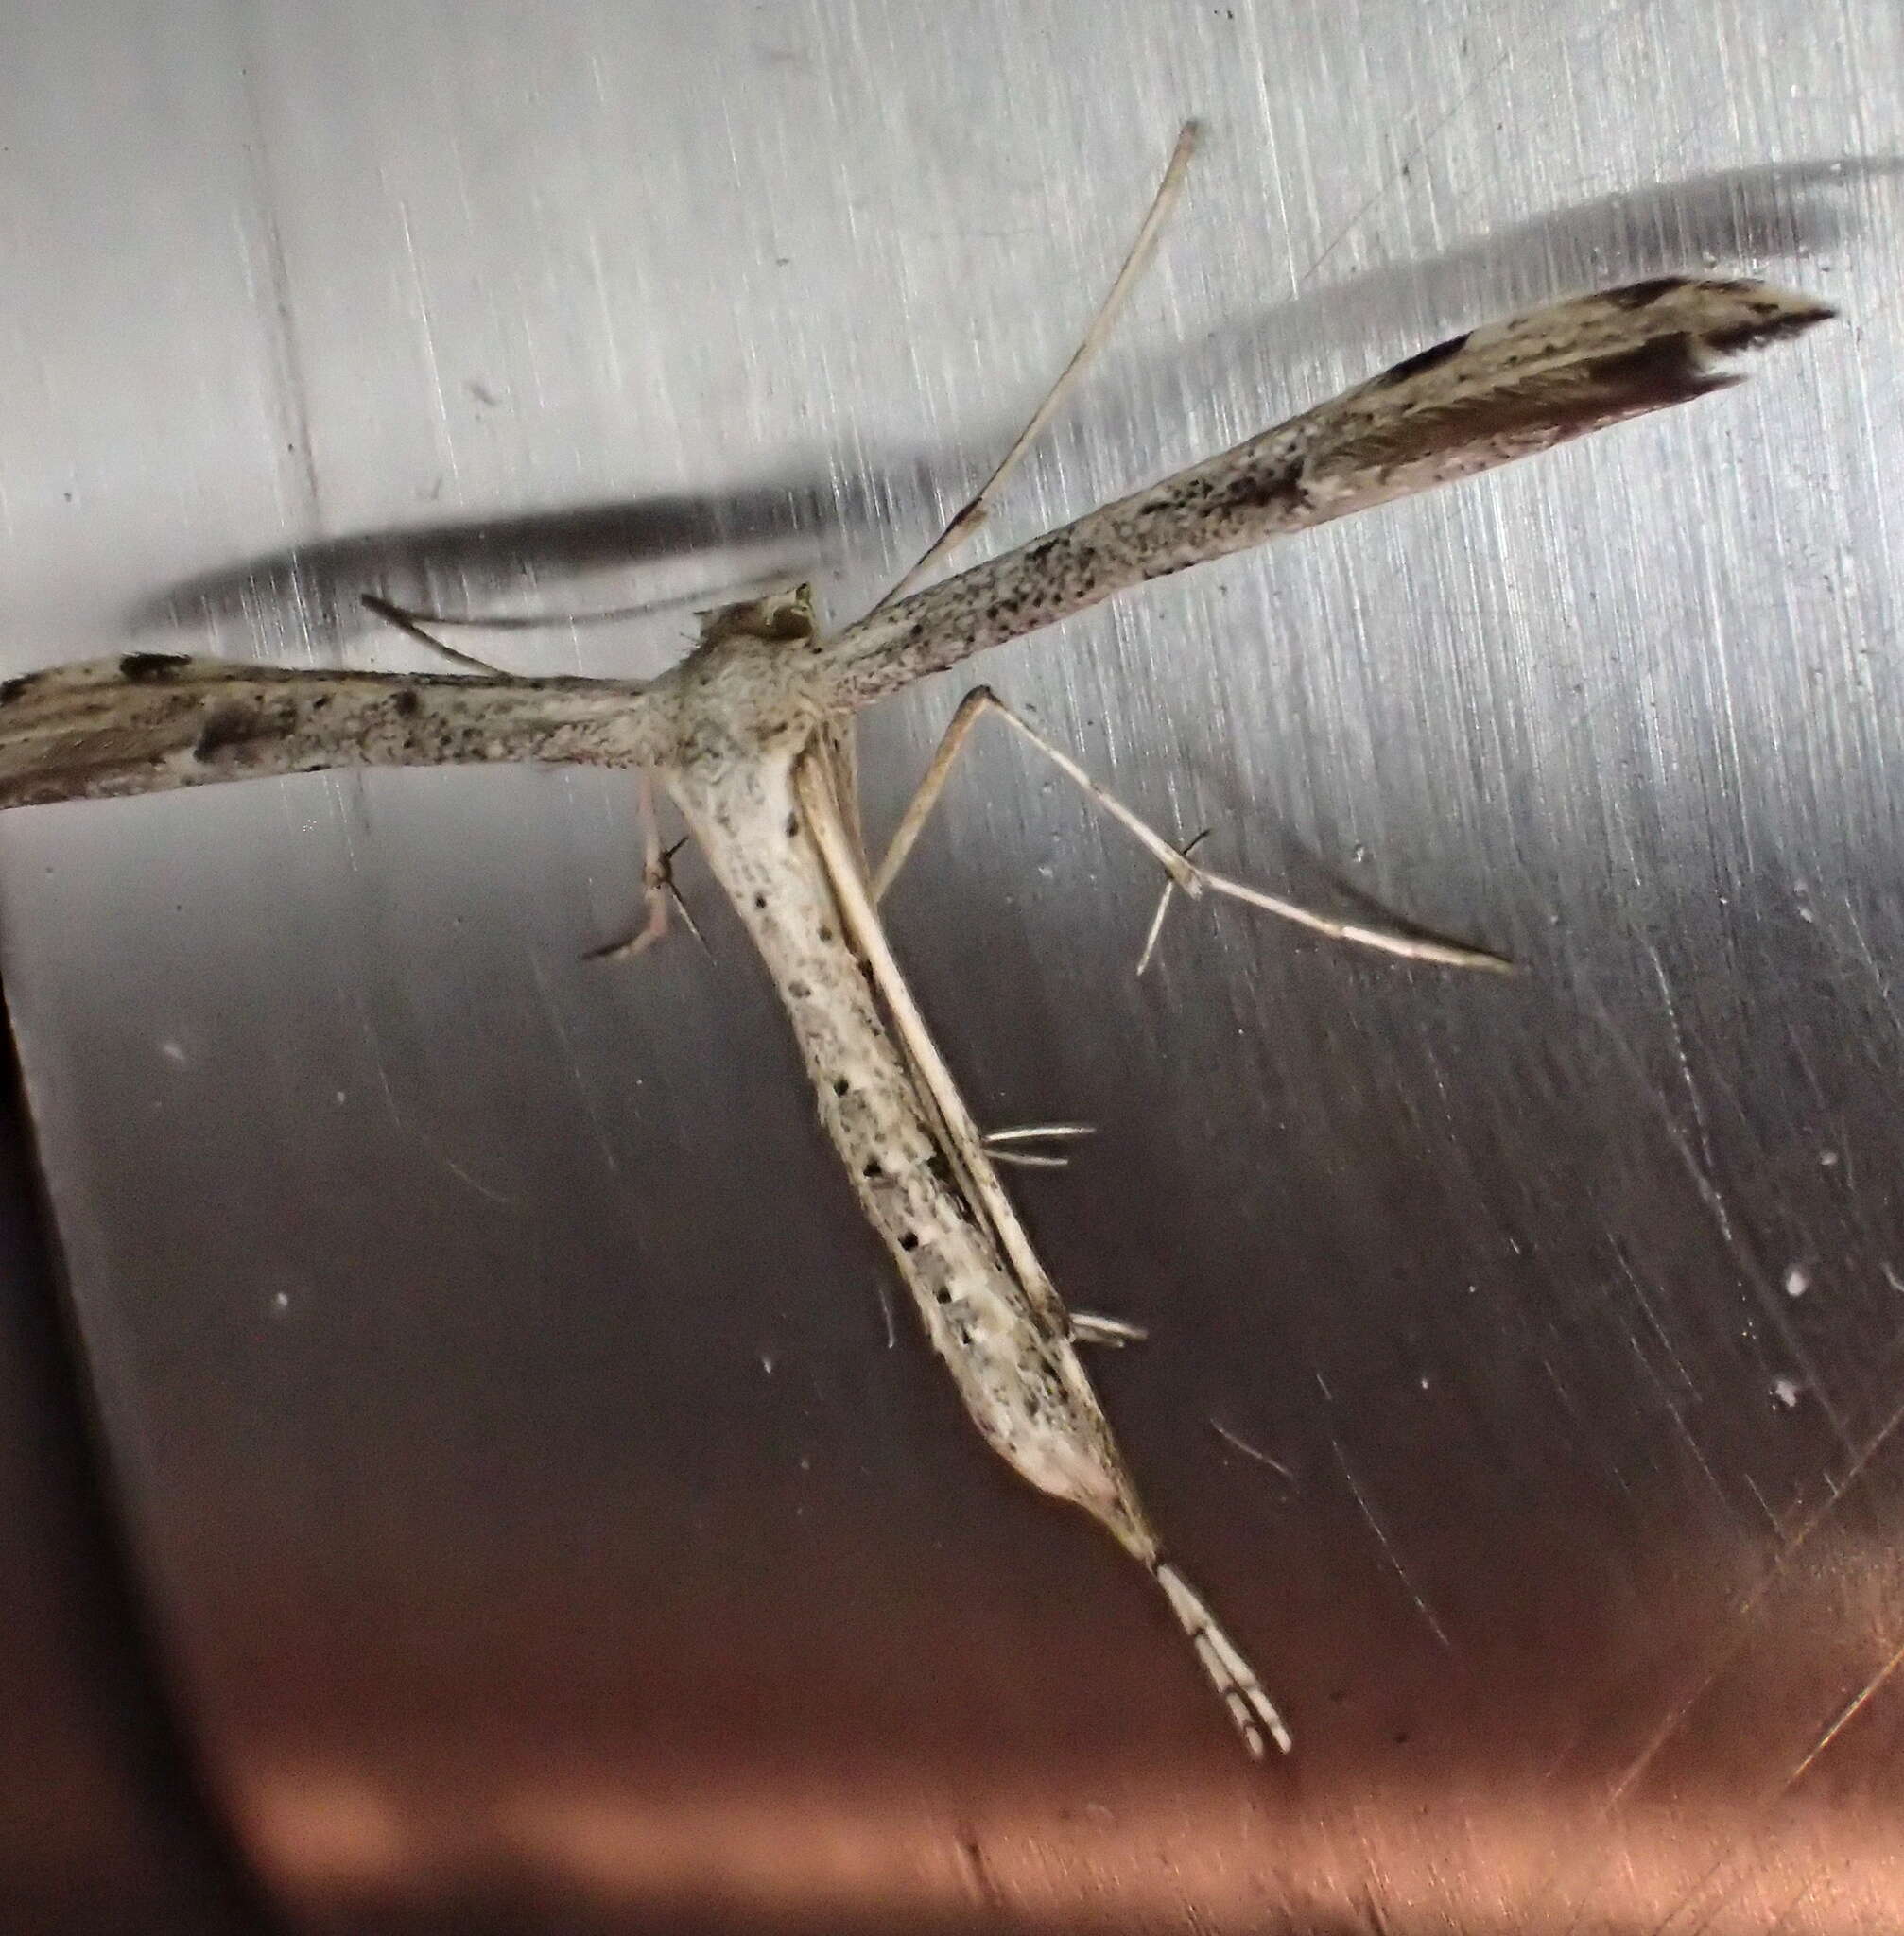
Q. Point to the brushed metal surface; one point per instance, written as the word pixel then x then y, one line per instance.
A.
pixel 495 1371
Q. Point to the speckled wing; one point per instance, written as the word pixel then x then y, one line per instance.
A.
pixel 1465 406
pixel 1512 389
pixel 149 722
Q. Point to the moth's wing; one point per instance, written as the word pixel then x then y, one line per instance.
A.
pixel 149 722
pixel 1468 404
pixel 1512 389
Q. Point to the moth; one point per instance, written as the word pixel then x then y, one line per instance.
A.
pixel 749 736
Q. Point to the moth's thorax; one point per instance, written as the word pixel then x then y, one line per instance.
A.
pixel 786 615
pixel 748 687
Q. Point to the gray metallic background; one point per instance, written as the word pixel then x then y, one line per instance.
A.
pixel 539 1529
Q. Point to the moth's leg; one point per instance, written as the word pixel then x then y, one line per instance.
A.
pixel 1004 1145
pixel 838 739
pixel 970 517
pixel 836 745
pixel 972 708
pixel 1193 878
pixel 657 884
pixel 1155 931
pixel 1094 1327
pixel 926 797
pixel 658 891
pixel 838 748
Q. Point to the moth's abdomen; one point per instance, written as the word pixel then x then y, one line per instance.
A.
pixel 1019 1380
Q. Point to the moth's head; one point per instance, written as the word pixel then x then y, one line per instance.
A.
pixel 783 617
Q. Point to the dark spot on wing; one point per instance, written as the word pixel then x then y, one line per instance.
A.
pixel 1663 371
pixel 1259 491
pixel 1422 359
pixel 151 666
pixel 14 687
pixel 1538 415
pixel 1637 295
pixel 228 727
pixel 1766 329
pixel 407 702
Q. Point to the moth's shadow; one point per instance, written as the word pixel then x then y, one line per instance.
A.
pixel 1785 212
pixel 1717 223
pixel 469 564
